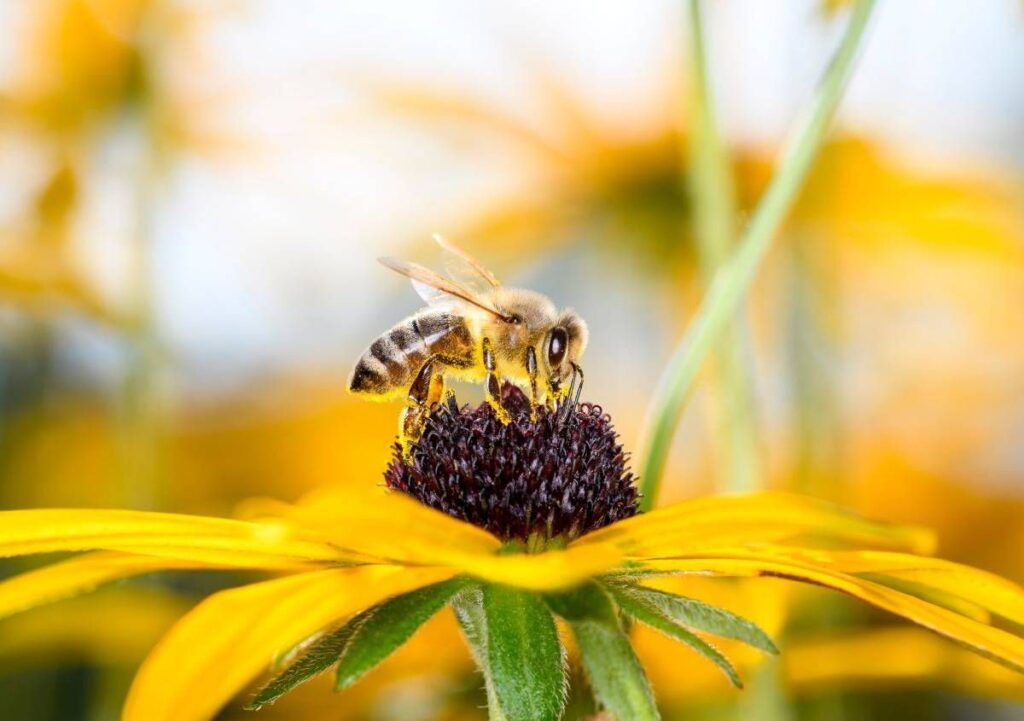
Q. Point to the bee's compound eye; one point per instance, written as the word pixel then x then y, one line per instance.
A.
pixel 515 319
pixel 557 344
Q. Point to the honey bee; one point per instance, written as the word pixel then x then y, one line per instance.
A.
pixel 475 329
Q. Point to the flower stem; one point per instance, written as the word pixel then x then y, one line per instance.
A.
pixel 728 289
pixel 714 204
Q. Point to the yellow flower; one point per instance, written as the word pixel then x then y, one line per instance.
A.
pixel 338 553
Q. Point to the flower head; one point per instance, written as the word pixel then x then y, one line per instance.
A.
pixel 566 473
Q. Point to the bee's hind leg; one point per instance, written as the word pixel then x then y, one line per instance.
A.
pixel 424 392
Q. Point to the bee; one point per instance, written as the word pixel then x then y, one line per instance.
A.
pixel 473 328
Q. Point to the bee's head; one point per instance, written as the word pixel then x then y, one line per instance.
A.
pixel 563 347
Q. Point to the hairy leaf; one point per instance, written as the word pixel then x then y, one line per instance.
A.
pixel 469 611
pixel 390 625
pixel 695 614
pixel 651 615
pixel 319 656
pixel 524 655
pixel 618 680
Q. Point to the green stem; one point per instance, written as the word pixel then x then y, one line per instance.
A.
pixel 815 420
pixel 714 205
pixel 730 285
pixel 141 417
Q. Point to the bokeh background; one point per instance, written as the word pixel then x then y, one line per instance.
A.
pixel 193 193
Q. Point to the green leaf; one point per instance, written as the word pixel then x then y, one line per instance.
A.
pixel 388 626
pixel 469 611
pixel 696 615
pixel 319 656
pixel 618 680
pixel 650 615
pixel 524 655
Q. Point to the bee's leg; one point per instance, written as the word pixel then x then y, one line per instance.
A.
pixel 571 397
pixel 426 389
pixel 531 370
pixel 436 391
pixel 492 387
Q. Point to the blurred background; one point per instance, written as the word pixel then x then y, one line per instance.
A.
pixel 193 193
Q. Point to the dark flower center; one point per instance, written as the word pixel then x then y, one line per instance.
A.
pixel 556 475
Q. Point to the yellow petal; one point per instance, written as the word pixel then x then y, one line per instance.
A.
pixel 391 526
pixel 547 571
pixel 188 538
pixel 395 528
pixel 225 642
pixel 758 518
pixel 74 576
pixel 987 590
pixel 991 642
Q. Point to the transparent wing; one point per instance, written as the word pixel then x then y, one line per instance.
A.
pixel 434 289
pixel 464 269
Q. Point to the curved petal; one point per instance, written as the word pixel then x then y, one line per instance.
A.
pixel 74 576
pixel 388 525
pixel 548 571
pixel 720 521
pixel 993 643
pixel 228 639
pixel 395 528
pixel 981 588
pixel 199 539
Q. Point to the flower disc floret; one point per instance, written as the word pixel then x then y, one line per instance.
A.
pixel 543 475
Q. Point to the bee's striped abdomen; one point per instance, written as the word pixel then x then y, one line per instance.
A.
pixel 392 362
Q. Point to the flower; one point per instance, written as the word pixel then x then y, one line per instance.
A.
pixel 570 477
pixel 381 563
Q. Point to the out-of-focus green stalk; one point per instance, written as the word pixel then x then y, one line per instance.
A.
pixel 812 291
pixel 141 407
pixel 714 207
pixel 727 291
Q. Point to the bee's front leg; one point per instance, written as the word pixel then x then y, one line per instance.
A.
pixel 531 370
pixel 492 384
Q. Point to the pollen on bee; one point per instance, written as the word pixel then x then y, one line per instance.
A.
pixel 546 473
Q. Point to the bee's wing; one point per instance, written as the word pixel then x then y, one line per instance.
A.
pixel 464 269
pixel 436 290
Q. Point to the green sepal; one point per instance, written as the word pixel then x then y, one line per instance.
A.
pixel 652 616
pixel 616 676
pixel 313 660
pixel 363 641
pixel 696 615
pixel 389 626
pixel 524 655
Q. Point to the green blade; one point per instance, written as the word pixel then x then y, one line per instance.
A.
pixel 314 660
pixel 524 655
pixel 728 291
pixel 635 608
pixel 469 611
pixel 695 614
pixel 618 680
pixel 390 625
